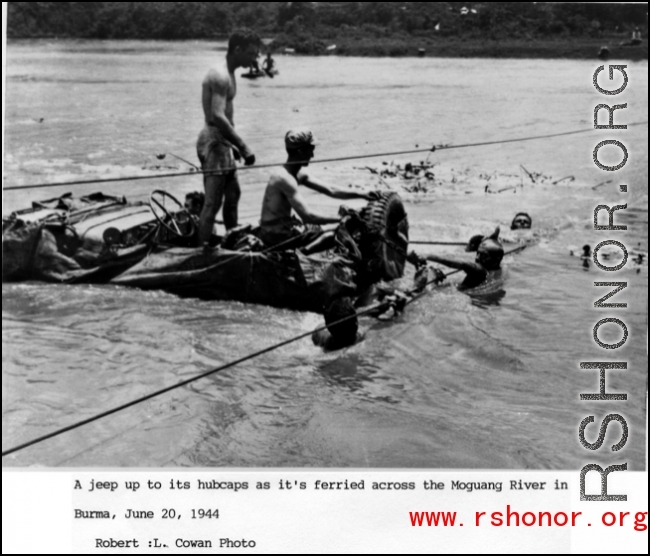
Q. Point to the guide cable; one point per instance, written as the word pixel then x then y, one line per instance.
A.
pixel 373 308
pixel 322 161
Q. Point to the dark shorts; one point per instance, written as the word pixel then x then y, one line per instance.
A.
pixel 289 234
pixel 215 153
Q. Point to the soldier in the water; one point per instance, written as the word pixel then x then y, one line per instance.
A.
pixel 342 326
pixel 487 265
pixel 341 317
pixel 219 144
pixel 522 221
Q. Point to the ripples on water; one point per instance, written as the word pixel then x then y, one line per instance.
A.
pixel 457 381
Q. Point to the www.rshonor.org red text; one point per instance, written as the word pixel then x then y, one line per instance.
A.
pixel 516 518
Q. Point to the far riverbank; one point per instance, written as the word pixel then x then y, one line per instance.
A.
pixel 566 48
pixel 576 49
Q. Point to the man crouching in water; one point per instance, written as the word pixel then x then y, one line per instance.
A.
pixel 278 226
pixel 342 327
pixel 487 265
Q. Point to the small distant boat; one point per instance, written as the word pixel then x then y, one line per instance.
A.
pixel 253 74
pixel 260 73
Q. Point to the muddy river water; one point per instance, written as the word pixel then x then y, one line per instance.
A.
pixel 455 382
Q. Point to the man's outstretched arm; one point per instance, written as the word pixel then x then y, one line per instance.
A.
pixel 468 267
pixel 318 185
pixel 298 204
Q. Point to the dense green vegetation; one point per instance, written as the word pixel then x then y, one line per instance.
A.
pixel 137 20
pixel 365 28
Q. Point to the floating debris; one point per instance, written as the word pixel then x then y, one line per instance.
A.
pixel 532 178
pixel 601 184
pixel 161 167
pixel 408 171
pixel 422 177
pixel 570 178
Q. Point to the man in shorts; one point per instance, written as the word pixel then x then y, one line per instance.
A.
pixel 279 226
pixel 219 145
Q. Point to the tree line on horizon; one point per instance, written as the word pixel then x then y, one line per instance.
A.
pixel 310 21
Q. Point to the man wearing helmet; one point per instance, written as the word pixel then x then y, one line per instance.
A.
pixel 278 224
pixel 487 264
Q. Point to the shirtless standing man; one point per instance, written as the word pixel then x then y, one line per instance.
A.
pixel 282 196
pixel 219 144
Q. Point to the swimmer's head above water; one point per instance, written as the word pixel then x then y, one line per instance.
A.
pixel 522 221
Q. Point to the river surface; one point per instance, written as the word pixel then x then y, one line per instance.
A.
pixel 457 381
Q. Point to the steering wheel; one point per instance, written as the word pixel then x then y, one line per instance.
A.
pixel 168 219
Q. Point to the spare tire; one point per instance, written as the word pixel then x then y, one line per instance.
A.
pixel 388 223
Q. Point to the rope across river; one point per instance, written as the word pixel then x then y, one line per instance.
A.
pixel 367 311
pixel 231 364
pixel 322 161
